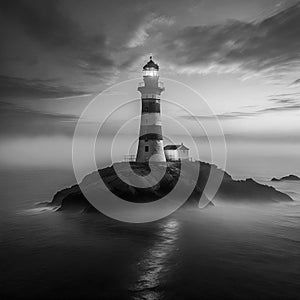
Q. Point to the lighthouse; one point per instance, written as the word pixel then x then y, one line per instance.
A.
pixel 150 138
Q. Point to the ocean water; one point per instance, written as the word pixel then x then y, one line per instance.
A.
pixel 223 252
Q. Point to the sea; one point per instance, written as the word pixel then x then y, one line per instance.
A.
pixel 221 252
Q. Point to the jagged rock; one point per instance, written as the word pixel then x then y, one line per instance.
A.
pixel 288 177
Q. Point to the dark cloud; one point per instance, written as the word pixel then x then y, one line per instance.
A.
pixel 49 25
pixel 88 44
pixel 285 100
pixel 271 43
pixel 44 21
pixel 27 88
pixel 46 27
pixel 291 107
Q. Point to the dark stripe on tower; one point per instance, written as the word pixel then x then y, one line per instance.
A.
pixel 150 106
pixel 151 129
pixel 151 136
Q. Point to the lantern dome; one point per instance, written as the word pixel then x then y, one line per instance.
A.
pixel 151 65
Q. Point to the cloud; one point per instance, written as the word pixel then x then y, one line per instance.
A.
pixel 46 22
pixel 22 121
pixel 287 99
pixel 291 107
pixel 89 46
pixel 79 45
pixel 223 116
pixel 37 88
pixel 296 83
pixel 152 21
pixel 43 41
pixel 284 103
pixel 265 46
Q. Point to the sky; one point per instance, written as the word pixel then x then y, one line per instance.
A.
pixel 241 59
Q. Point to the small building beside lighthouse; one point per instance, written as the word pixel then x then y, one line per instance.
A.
pixel 176 152
pixel 150 138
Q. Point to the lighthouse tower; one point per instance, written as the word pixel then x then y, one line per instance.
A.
pixel 150 139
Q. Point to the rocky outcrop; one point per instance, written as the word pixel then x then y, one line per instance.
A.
pixel 288 177
pixel 247 191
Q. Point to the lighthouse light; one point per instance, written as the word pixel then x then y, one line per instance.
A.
pixel 150 72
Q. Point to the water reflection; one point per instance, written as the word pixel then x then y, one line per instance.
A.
pixel 155 265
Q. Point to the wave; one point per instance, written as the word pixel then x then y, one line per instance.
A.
pixel 38 210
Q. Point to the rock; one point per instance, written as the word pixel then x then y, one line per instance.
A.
pixel 288 177
pixel 250 191
pixel 72 199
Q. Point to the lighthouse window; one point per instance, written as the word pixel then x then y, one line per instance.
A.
pixel 146 148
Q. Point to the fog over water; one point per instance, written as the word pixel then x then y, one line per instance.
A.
pixel 225 251
pixel 250 158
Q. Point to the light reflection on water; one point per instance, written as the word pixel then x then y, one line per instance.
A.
pixel 153 266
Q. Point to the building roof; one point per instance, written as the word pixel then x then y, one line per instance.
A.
pixel 151 65
pixel 175 147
